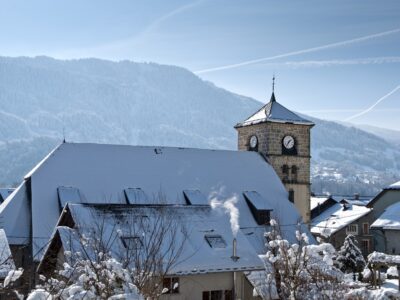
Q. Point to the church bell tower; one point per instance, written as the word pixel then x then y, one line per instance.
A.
pixel 283 137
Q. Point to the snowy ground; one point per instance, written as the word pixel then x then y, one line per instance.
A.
pixel 389 290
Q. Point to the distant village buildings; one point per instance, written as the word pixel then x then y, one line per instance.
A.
pixel 375 222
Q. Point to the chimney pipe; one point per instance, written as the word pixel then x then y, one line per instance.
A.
pixel 356 196
pixel 234 254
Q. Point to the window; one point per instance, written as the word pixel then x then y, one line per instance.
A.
pixel 218 295
pixel 172 284
pixel 285 172
pixel 259 207
pixel 365 247
pixel 263 217
pixel 291 196
pixel 215 241
pixel 132 242
pixel 365 228
pixel 294 170
pixel 352 229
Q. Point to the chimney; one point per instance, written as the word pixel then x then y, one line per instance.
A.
pixel 234 254
pixel 356 196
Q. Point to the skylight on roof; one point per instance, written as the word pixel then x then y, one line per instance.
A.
pixel 215 241
pixel 194 197
pixel 135 196
pixel 68 194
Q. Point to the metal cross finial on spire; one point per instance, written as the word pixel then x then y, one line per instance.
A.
pixel 273 89
pixel 273 83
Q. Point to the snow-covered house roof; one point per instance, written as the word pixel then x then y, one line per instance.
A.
pixel 337 217
pixel 319 204
pixel 318 200
pixel 394 186
pixel 389 219
pixel 274 112
pixel 356 199
pixel 98 173
pixel 197 225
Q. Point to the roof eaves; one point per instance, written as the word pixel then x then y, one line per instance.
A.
pixel 272 120
pixel 218 270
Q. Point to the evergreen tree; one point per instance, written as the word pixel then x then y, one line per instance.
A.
pixel 350 257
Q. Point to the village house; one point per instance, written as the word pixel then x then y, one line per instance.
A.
pixel 385 219
pixel 342 219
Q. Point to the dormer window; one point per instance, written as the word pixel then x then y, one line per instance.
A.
pixel 194 197
pixel 215 241
pixel 135 196
pixel 259 207
pixel 67 195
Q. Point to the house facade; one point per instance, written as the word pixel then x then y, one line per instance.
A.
pixel 342 219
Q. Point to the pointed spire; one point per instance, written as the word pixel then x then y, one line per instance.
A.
pixel 273 90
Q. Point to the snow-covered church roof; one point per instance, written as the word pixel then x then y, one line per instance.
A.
pixel 274 112
pixel 203 235
pixel 98 173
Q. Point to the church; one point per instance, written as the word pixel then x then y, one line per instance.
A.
pixel 269 177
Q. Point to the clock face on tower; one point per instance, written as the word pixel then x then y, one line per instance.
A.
pixel 288 142
pixel 253 142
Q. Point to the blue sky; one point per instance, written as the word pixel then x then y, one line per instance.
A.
pixel 334 82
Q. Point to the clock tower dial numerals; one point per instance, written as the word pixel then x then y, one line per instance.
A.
pixel 288 142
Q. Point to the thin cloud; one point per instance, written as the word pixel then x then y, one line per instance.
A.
pixel 304 51
pixel 322 111
pixel 132 40
pixel 156 23
pixel 375 104
pixel 337 62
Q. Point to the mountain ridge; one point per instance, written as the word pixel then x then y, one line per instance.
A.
pixel 43 100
